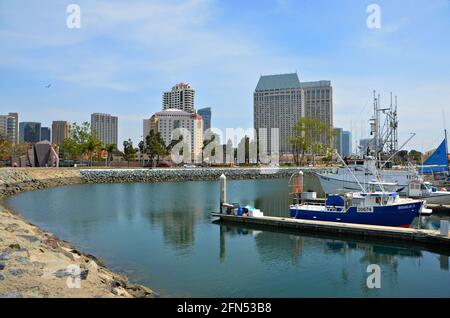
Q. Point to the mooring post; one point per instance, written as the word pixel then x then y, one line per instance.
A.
pixel 223 191
pixel 444 228
pixel 297 185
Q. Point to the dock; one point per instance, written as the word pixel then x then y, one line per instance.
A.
pixel 439 208
pixel 422 236
pixel 435 238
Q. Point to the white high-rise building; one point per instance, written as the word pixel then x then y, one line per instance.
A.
pixel 8 126
pixel 180 97
pixel 166 121
pixel 105 128
pixel 16 116
pixel 278 102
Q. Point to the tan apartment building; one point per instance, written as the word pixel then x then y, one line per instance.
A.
pixel 60 131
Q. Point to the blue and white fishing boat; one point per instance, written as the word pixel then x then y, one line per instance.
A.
pixel 372 206
pixel 376 208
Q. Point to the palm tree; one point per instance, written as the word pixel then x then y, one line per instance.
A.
pixel 110 148
pixel 92 145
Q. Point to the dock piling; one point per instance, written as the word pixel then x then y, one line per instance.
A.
pixel 223 191
pixel 444 228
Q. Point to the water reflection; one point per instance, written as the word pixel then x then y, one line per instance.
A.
pixel 177 228
pixel 275 248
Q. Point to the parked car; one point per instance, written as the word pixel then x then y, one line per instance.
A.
pixel 164 164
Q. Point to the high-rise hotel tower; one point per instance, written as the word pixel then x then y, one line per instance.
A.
pixel 278 102
pixel 180 97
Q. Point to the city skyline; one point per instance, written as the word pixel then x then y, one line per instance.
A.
pixel 91 70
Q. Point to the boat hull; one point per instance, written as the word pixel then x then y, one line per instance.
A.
pixel 440 198
pixel 400 215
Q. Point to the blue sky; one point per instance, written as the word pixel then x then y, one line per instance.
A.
pixel 127 53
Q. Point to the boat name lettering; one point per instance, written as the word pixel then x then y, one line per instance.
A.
pixel 364 209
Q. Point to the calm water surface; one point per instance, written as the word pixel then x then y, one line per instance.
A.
pixel 161 236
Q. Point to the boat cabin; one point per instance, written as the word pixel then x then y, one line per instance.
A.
pixel 380 186
pixel 418 188
pixel 361 200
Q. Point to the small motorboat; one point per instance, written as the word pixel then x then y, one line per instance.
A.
pixel 428 192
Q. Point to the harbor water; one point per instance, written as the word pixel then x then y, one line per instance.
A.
pixel 161 235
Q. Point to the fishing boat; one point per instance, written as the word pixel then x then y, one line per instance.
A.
pixel 368 165
pixel 372 206
pixel 377 208
pixel 409 183
pixel 363 171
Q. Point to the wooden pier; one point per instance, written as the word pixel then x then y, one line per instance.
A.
pixel 422 236
pixel 439 208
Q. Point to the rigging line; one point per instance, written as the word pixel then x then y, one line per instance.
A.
pixel 340 158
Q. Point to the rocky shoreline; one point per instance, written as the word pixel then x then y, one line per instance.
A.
pixel 35 263
pixel 192 174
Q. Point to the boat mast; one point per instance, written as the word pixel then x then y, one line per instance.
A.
pixel 395 126
pixel 385 138
pixel 446 140
pixel 374 125
pixel 446 147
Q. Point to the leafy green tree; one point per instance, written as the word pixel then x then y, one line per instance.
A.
pixel 5 148
pixel 155 146
pixel 70 149
pixel 141 147
pixel 20 149
pixel 402 157
pixel 129 152
pixel 307 138
pixel 81 141
pixel 415 156
pixel 162 149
